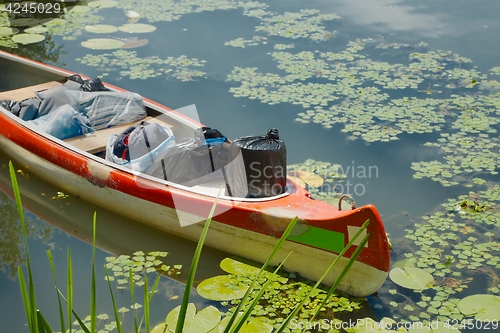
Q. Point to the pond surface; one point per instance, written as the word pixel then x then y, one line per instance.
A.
pixel 408 91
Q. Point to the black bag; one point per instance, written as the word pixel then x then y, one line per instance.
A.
pixel 265 163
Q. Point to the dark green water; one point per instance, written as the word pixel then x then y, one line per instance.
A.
pixel 468 29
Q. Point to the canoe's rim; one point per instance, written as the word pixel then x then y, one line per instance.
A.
pixel 149 103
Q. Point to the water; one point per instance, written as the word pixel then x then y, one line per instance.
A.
pixel 464 28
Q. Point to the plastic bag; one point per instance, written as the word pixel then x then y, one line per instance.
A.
pixel 204 160
pixel 63 123
pixel 108 108
pixel 265 163
pixel 140 156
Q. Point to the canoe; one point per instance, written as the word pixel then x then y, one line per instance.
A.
pixel 242 226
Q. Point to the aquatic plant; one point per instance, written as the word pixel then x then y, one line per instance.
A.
pixel 130 65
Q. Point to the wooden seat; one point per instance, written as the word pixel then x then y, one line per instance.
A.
pixel 96 142
pixel 27 92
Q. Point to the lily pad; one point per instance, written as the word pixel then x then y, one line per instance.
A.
pixel 137 28
pixel 160 328
pixel 201 322
pixel 103 44
pixel 36 30
pixel 101 28
pixel 256 325
pixel 221 288
pixel 80 9
pixel 238 268
pixel 102 4
pixel 310 178
pixel 485 307
pixel 297 181
pixel 411 277
pixel 56 22
pixel 6 31
pixel 28 38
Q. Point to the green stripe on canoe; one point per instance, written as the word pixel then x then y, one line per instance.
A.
pixel 317 237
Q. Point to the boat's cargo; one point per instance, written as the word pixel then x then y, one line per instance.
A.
pixel 65 122
pixel 26 109
pixel 265 163
pixel 106 109
pixel 206 157
pixel 138 147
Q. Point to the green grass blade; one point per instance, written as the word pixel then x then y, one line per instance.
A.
pixel 44 325
pixel 115 310
pixel 282 239
pixel 146 303
pixel 342 274
pixel 61 313
pixel 248 311
pixel 132 296
pixel 286 322
pixel 69 290
pixel 78 319
pixel 93 313
pixel 32 319
pixel 192 270
pixel 25 296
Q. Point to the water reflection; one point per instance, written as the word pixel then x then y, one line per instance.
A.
pixel 11 254
pixel 393 15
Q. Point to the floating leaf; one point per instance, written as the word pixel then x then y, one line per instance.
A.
pixel 103 43
pixel 297 181
pixel 310 178
pixel 411 277
pixel 28 38
pixel 101 28
pixel 201 322
pixel 235 267
pixel 485 307
pixel 6 31
pixel 256 325
pixel 137 28
pixel 160 328
pixel 221 288
pixel 36 30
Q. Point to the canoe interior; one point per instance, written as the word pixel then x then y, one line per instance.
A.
pixel 15 75
pixel 95 143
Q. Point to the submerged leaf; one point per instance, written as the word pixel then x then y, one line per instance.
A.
pixel 103 44
pixel 137 28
